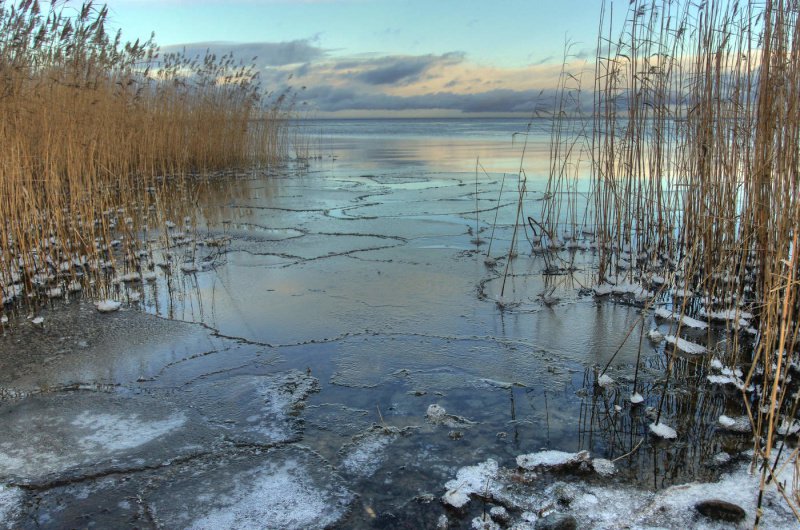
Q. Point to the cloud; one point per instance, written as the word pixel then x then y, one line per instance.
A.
pixel 401 69
pixel 414 84
pixel 328 99
pixel 266 53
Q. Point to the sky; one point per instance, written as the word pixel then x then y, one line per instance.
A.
pixel 371 58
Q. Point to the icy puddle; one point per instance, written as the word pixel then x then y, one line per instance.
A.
pixel 355 347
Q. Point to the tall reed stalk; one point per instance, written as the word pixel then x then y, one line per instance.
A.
pixel 694 166
pixel 92 130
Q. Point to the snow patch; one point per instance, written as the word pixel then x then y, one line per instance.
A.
pixel 114 432
pixel 550 459
pixel 470 480
pixel 690 322
pixel 605 381
pixel 685 346
pixel 663 431
pixel 107 306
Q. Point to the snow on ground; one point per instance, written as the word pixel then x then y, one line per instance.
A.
pixel 615 506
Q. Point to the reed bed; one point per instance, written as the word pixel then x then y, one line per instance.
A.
pixel 694 200
pixel 100 138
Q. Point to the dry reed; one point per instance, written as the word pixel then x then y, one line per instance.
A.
pixel 694 185
pixel 99 136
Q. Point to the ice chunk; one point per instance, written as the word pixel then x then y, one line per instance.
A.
pixel 655 335
pixel 470 480
pixel 740 424
pixel 663 431
pixel 367 452
pixel 74 434
pixel 437 415
pixel 550 459
pixel 605 381
pixel 107 306
pixel 636 398
pixel 603 467
pixel 685 346
pixel 484 522
pixel 666 314
pixel 10 501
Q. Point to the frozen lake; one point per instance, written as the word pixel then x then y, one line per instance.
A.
pixel 290 378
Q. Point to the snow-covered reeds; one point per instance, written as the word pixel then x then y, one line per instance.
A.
pixel 694 167
pixel 96 132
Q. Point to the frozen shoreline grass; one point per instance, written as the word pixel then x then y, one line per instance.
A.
pixel 692 152
pixel 101 137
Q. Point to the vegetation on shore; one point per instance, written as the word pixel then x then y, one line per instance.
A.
pixel 93 129
pixel 692 147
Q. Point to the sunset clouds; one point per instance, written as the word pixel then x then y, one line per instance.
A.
pixel 447 84
pixel 373 57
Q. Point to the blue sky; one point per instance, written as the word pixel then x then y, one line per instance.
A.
pixel 383 57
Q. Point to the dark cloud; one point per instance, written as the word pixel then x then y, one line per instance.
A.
pixel 344 99
pixel 266 53
pixel 398 70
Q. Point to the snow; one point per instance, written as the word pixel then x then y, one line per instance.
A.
pixel 107 306
pixel 532 461
pixel 38 321
pixel 740 424
pixel 616 506
pixel 470 480
pixel 728 380
pixel 685 346
pixel 655 335
pixel 367 453
pixel 690 322
pixel 663 431
pixel 603 467
pixel 731 315
pixel 636 398
pixel 279 497
pixel 605 381
pixel 484 522
pixel 437 415
pixel 116 432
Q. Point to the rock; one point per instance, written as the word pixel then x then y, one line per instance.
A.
pixel 557 521
pixel 720 510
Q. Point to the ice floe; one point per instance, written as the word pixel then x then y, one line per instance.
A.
pixel 10 501
pixel 289 488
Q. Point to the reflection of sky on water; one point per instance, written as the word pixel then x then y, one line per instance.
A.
pixel 364 269
pixel 432 146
